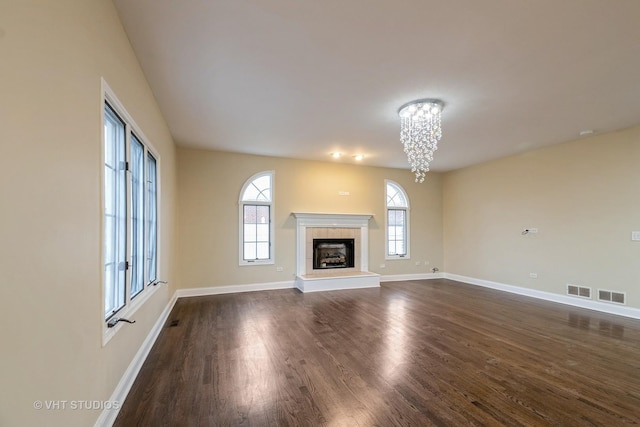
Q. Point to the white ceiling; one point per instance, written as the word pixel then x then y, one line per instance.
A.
pixel 303 78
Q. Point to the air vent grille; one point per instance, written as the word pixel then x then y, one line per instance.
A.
pixel 579 291
pixel 612 296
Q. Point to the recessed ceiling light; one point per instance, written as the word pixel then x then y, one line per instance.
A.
pixel 358 157
pixel 586 132
pixel 336 155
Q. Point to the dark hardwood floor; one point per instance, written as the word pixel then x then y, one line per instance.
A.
pixel 420 353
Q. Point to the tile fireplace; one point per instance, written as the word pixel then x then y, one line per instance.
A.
pixel 333 252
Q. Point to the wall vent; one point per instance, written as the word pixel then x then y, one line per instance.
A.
pixel 612 296
pixel 579 291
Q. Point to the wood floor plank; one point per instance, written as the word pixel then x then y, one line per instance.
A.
pixel 416 353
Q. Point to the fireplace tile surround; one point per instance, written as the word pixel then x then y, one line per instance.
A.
pixel 333 225
pixel 331 233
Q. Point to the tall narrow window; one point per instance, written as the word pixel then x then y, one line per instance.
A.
pixel 115 212
pixel 256 230
pixel 397 229
pixel 130 215
pixel 137 216
pixel 152 219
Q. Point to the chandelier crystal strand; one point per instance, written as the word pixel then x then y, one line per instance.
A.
pixel 420 131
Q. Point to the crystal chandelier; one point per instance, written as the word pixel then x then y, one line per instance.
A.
pixel 420 132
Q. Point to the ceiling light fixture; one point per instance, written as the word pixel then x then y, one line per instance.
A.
pixel 358 157
pixel 420 132
pixel 336 155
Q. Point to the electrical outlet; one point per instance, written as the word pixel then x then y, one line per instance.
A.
pixel 418 263
pixel 426 263
pixel 533 275
pixel 383 266
pixel 278 268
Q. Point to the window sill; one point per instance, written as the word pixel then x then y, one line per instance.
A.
pixel 257 262
pixel 397 257
pixel 127 312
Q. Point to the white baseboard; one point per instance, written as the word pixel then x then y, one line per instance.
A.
pixel 403 277
pixel 619 310
pixel 218 290
pixel 108 416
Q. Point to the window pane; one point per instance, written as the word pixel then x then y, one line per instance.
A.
pixel 152 219
pixel 250 214
pixel 391 233
pixel 393 247
pixel 396 217
pixel 137 216
pixel 249 251
pixel 396 196
pixel 256 232
pixel 259 190
pixel 263 251
pixel 262 233
pixel 249 232
pixel 109 277
pixel 251 193
pixel 265 195
pixel 109 232
pixel 115 212
pixel 262 214
pixel 396 232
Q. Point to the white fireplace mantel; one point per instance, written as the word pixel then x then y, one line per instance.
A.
pixel 306 220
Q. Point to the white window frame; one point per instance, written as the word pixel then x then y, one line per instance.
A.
pixel 132 303
pixel 407 228
pixel 241 204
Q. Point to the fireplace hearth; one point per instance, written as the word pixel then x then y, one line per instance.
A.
pixel 333 253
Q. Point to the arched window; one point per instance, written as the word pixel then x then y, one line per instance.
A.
pixel 397 230
pixel 256 226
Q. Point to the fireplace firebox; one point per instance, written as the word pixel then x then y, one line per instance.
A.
pixel 333 253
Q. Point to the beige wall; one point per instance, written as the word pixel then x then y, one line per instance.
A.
pixel 581 195
pixel 53 54
pixel 210 184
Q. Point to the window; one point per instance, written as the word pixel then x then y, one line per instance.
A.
pixel 143 216
pixel 256 226
pixel 152 218
pixel 130 191
pixel 397 235
pixel 137 216
pixel 115 211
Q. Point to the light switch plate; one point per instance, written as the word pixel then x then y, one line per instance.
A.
pixel 635 236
